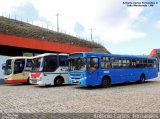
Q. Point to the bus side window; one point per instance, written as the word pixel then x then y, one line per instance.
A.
pixel 93 64
pixel 116 62
pixel 19 66
pixel 63 60
pixel 105 62
pixel 154 64
pixel 125 63
pixel 50 63
pixel 133 63
pixel 29 63
pixel 145 62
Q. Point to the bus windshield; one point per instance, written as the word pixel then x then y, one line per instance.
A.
pixel 8 68
pixel 77 64
pixel 37 63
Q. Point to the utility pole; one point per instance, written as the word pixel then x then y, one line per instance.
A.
pixel 91 33
pixel 57 22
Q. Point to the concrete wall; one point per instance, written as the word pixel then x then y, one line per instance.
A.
pixel 36 44
pixel 2 60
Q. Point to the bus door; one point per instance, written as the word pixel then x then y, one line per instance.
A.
pixel 93 71
pixel 19 75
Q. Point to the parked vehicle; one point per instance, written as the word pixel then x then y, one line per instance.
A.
pixel 17 69
pixel 91 69
pixel 49 69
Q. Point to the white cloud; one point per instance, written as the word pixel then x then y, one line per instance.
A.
pixel 126 27
pixel 157 24
pixel 112 21
pixel 117 35
pixel 8 6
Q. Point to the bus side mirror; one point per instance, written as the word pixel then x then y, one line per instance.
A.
pixel 3 66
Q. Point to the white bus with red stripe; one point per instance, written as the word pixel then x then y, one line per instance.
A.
pixel 49 69
pixel 17 69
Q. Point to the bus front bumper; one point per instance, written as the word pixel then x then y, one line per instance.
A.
pixel 81 81
pixel 39 81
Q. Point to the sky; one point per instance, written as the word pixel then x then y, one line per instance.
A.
pixel 121 29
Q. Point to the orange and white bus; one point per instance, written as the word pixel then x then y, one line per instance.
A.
pixel 17 69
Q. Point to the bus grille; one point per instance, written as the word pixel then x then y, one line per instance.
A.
pixel 33 81
pixel 77 74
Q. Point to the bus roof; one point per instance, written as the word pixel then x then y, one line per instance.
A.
pixel 20 57
pixel 94 54
pixel 46 54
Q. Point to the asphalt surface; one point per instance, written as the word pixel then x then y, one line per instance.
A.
pixel 119 98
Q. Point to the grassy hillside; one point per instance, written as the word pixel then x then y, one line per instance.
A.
pixel 18 28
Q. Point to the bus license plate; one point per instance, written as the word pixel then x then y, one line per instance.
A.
pixel 34 81
pixel 75 80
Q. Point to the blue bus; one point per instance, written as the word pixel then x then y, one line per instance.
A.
pixel 91 69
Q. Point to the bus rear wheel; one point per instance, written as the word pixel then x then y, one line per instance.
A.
pixel 26 83
pixel 106 82
pixel 142 79
pixel 58 81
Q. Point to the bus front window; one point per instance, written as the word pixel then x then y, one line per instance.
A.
pixel 19 66
pixel 37 64
pixel 8 68
pixel 77 64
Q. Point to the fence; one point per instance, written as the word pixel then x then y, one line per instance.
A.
pixel 45 25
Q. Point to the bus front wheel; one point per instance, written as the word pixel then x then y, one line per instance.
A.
pixel 106 82
pixel 58 81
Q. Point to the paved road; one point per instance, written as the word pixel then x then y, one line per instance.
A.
pixel 120 98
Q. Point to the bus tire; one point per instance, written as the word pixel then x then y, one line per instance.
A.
pixel 26 83
pixel 58 81
pixel 142 79
pixel 106 82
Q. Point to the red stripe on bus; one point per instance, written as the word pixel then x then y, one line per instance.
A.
pixel 16 81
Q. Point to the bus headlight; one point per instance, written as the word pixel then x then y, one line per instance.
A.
pixel 84 78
